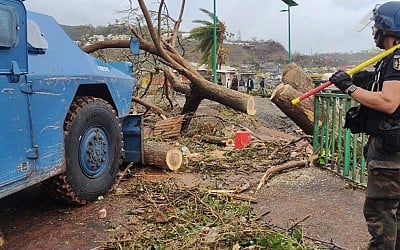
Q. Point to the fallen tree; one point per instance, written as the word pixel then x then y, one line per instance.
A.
pixel 163 46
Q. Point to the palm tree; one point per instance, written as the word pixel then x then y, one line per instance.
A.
pixel 204 36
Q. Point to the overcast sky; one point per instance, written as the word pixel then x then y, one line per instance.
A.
pixel 317 26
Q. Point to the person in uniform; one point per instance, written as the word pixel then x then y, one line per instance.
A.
pixel 378 115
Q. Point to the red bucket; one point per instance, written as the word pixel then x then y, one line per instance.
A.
pixel 242 139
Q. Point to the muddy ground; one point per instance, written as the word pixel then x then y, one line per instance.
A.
pixel 328 208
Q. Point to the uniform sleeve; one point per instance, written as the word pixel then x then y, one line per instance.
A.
pixel 393 68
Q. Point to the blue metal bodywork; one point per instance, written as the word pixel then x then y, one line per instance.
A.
pixel 37 88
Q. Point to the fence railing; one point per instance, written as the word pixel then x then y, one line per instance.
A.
pixel 338 149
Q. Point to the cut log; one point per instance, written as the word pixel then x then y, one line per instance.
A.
pixel 302 114
pixel 169 128
pixel 297 78
pixel 160 154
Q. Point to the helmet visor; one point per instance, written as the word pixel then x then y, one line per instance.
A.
pixel 367 19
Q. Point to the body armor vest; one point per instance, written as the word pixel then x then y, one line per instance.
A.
pixel 374 118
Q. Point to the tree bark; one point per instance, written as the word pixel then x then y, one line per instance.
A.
pixel 205 89
pixel 302 114
pixel 106 44
pixel 297 78
pixel 148 105
pixel 160 154
pixel 169 128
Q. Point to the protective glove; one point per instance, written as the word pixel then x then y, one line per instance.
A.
pixel 363 78
pixel 341 79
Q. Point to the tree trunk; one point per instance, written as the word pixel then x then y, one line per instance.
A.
pixel 302 114
pixel 160 154
pixel 189 108
pixel 205 89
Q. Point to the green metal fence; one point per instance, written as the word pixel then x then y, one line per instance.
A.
pixel 339 150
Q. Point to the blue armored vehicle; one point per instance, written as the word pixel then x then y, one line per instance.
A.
pixel 64 114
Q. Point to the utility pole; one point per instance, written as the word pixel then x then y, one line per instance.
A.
pixel 215 43
pixel 290 3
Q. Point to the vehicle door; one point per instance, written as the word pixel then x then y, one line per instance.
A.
pixel 17 150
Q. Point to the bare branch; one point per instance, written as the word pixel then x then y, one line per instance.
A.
pixel 106 44
pixel 159 18
pixel 178 22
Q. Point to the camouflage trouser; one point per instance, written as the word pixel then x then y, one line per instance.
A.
pixel 381 208
pixel 382 220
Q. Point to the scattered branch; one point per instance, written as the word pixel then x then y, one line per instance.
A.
pixel 149 105
pixel 285 166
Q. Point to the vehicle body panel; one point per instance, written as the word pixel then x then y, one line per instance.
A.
pixel 34 107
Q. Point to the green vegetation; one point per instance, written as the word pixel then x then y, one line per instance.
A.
pixel 204 36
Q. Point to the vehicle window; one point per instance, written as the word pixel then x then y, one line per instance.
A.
pixel 36 41
pixel 8 27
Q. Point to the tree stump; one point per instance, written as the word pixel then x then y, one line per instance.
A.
pixel 302 114
pixel 162 155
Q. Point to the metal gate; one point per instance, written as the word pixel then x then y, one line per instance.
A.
pixel 338 149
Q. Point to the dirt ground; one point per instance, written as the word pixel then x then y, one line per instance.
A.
pixel 327 207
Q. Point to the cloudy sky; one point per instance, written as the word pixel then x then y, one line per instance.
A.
pixel 317 26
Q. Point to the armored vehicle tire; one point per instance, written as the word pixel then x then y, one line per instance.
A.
pixel 93 147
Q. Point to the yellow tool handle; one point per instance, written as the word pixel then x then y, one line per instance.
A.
pixel 373 60
pixel 350 72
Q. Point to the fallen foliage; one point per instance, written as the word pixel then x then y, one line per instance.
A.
pixel 172 217
pixel 213 213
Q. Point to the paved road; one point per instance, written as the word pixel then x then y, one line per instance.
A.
pixel 272 116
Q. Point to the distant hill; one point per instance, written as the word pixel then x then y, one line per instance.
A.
pixel 81 32
pixel 244 52
pixel 239 53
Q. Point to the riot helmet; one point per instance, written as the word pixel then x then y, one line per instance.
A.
pixel 387 17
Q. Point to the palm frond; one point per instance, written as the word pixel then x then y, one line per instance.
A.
pixel 204 35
